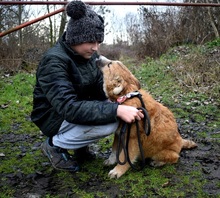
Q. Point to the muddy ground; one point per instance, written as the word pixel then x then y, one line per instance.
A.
pixel 39 184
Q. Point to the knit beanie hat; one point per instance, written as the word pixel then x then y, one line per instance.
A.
pixel 85 25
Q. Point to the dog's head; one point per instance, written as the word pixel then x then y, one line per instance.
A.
pixel 118 80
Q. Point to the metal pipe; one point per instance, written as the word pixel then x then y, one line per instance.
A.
pixel 110 3
pixel 91 3
pixel 31 22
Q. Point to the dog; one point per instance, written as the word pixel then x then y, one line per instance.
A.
pixel 164 142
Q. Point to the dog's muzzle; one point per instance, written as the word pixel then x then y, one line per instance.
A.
pixel 102 61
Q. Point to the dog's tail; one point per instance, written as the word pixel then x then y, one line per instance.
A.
pixel 188 144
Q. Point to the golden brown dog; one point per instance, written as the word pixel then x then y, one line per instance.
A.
pixel 164 143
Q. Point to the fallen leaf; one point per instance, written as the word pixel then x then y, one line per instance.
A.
pixel 165 184
pixel 2 155
pixel 4 106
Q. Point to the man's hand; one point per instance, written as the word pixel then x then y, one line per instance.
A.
pixel 129 114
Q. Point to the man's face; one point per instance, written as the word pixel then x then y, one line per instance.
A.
pixel 86 50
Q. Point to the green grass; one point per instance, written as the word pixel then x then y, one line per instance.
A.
pixel 16 102
pixel 22 158
pixel 161 80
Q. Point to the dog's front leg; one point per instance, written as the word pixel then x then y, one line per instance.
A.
pixel 119 170
pixel 112 158
pixel 133 152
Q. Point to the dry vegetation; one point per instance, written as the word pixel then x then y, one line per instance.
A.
pixel 198 69
pixel 150 32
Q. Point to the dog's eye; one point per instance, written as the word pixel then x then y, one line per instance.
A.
pixel 109 64
pixel 118 79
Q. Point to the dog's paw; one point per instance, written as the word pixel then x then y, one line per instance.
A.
pixel 115 173
pixel 111 160
pixel 157 163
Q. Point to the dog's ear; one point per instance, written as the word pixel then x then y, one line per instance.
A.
pixel 136 81
pixel 131 78
pixel 102 61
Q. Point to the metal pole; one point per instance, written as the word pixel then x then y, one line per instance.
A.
pixel 111 3
pixel 91 3
pixel 31 22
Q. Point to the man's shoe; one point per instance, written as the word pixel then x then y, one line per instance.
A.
pixel 59 158
pixel 83 154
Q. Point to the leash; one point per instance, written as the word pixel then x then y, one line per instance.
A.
pixel 123 143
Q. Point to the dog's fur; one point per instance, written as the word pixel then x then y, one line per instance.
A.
pixel 164 143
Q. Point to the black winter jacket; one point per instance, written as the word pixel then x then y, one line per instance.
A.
pixel 69 87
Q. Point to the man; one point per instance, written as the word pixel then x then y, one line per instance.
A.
pixel 70 106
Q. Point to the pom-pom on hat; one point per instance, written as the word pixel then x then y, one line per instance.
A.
pixel 84 25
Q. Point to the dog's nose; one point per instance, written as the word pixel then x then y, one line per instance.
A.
pixel 99 62
pixel 102 61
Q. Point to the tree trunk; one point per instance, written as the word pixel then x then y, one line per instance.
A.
pixel 215 29
pixel 20 31
pixel 62 23
pixel 51 26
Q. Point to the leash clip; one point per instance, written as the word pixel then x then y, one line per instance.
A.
pixel 132 94
pixel 128 95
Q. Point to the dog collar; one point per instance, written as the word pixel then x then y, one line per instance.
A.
pixel 129 95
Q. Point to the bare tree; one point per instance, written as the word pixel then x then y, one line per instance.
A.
pixel 62 23
pixel 156 30
pixel 133 29
pixel 213 17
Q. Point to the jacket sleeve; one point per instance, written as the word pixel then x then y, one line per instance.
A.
pixel 55 82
